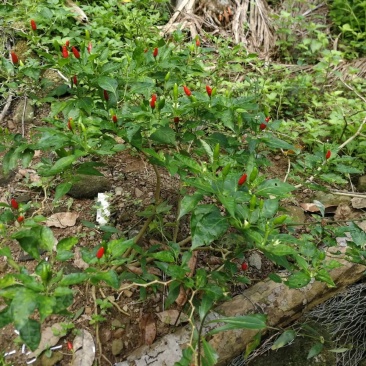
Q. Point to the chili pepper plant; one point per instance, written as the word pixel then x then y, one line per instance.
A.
pixel 159 99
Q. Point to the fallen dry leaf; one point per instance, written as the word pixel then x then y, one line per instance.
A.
pixel 172 317
pixel 312 207
pixel 62 219
pixel 84 348
pixel 182 297
pixel 78 260
pixel 148 328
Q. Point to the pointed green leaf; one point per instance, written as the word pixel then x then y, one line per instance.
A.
pixel 255 321
pixel 108 84
pixel 164 135
pixel 30 333
pixel 61 190
pixel 189 203
pixel 315 350
pixel 285 338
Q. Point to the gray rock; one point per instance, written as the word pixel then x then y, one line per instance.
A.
pixel 19 110
pixel 296 214
pixel 255 260
pixel 361 185
pixel 88 186
pixel 5 179
pixel 117 346
pixel 329 199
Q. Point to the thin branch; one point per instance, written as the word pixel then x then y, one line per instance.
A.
pixel 6 107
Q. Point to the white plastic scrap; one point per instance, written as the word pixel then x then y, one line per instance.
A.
pixel 103 212
pixel 55 347
pixel 31 361
pixel 9 353
pixel 23 348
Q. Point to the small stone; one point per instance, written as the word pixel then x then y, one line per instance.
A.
pixel 125 308
pixel 358 202
pixel 277 157
pixel 118 191
pixel 3 267
pixel 361 186
pixel 88 310
pixel 116 323
pixel 127 293
pixel 138 193
pixel 106 335
pixel 20 111
pixel 117 347
pixel 255 260
pixel 88 186
pixel 118 333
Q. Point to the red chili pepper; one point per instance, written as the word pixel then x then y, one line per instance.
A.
pixel 14 57
pixel 208 90
pixel 20 219
pixel 33 25
pixel 187 91
pixel 153 101
pixel 268 119
pixel 89 48
pixel 69 126
pixel 156 51
pixel 100 252
pixel 75 52
pixel 14 204
pixel 328 154
pixel 67 43
pixel 114 118
pixel 176 119
pixel 75 80
pixel 198 42
pixel 242 179
pixel 262 126
pixel 69 346
pixel 244 266
pixel 106 96
pixel 65 52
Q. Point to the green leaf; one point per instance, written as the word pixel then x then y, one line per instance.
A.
pixel 189 163
pixel 7 280
pixel 285 338
pixel 73 279
pixel 276 143
pixel 61 190
pixel 255 321
pixel 5 317
pixel 189 203
pixel 47 239
pixel 315 350
pixel 60 166
pixel 110 277
pixel 67 243
pixel 339 350
pixel 251 346
pixel 208 149
pixel 324 276
pixel 27 157
pixel 119 246
pixel 280 249
pixel 207 225
pixel 86 104
pixel 298 280
pixel 24 303
pixel 29 242
pixel 274 187
pixel 46 305
pixel 164 135
pixel 30 333
pixel 210 356
pixel 333 178
pixel 174 289
pixel 163 256
pixel 108 84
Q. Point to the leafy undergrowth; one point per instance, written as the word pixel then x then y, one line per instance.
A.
pixel 193 160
